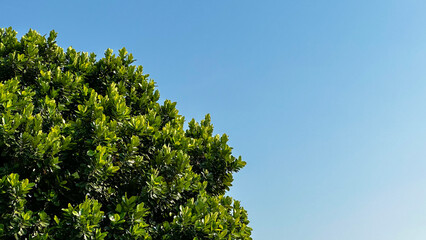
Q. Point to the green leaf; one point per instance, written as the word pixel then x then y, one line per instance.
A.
pixel 91 153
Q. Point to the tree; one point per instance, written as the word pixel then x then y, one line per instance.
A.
pixel 87 152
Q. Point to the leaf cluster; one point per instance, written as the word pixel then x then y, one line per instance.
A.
pixel 88 152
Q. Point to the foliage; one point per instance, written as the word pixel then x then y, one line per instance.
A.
pixel 87 152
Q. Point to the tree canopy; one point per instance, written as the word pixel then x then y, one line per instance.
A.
pixel 88 152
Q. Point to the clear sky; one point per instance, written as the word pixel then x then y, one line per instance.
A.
pixel 325 100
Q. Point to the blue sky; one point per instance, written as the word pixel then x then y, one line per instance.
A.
pixel 325 100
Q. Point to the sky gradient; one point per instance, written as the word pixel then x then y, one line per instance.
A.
pixel 324 100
